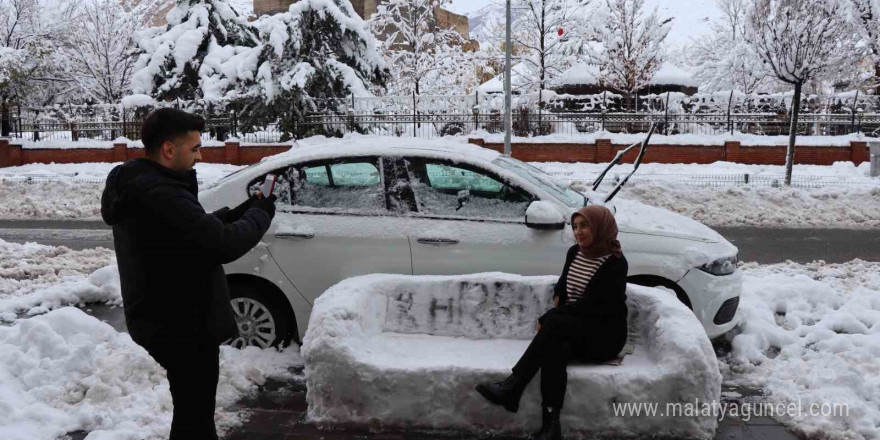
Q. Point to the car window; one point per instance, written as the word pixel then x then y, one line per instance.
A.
pixel 344 186
pixel 539 178
pixel 451 178
pixel 447 189
pixel 355 174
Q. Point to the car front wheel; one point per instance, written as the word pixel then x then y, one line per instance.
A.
pixel 260 319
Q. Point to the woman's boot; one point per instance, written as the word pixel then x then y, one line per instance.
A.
pixel 550 427
pixel 505 393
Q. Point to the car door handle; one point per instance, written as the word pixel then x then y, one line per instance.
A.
pixel 288 235
pixel 438 241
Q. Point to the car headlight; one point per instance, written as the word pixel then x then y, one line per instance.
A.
pixel 721 266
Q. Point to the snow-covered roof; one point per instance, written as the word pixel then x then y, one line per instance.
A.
pixel 670 74
pixel 578 74
pixel 518 74
pixel 357 145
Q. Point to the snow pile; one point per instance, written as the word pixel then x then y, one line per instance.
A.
pixel 810 334
pixel 851 199
pixel 67 371
pixel 35 278
pixel 837 207
pixel 69 191
pixel 407 351
pixel 54 199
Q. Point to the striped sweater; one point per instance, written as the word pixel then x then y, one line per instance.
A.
pixel 579 275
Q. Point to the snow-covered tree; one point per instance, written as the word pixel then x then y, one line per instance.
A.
pixel 279 69
pixel 865 18
pixel 318 49
pixel 424 56
pixel 100 47
pixel 797 40
pixel 553 34
pixel 31 66
pixel 547 38
pixel 201 34
pixel 633 45
pixel 723 60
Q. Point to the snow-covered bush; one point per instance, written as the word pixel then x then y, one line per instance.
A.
pixel 276 69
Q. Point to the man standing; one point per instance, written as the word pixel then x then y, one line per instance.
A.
pixel 170 252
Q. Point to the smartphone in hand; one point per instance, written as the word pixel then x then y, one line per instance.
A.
pixel 268 186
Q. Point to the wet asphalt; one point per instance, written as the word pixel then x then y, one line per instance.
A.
pixel 761 245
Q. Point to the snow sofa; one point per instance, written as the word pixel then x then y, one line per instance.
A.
pixel 407 351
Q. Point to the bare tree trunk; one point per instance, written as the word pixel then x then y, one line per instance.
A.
pixel 877 77
pixel 795 110
pixel 5 126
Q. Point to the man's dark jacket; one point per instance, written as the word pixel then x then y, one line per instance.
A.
pixel 170 251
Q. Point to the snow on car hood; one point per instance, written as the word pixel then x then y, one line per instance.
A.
pixel 637 217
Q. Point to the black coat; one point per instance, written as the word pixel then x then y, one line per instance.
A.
pixel 170 252
pixel 603 309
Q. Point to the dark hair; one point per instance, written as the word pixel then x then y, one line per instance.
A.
pixel 167 124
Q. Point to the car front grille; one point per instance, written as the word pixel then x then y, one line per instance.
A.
pixel 727 311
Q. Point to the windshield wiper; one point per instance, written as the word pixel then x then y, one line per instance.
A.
pixel 613 162
pixel 635 167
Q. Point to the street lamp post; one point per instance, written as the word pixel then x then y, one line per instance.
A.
pixel 507 98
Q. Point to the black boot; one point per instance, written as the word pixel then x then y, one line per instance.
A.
pixel 550 427
pixel 505 393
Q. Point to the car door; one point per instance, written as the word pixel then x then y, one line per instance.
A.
pixel 467 219
pixel 336 224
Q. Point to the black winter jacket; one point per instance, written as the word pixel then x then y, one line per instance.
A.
pixel 170 252
pixel 603 309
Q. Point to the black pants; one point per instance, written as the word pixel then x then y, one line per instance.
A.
pixel 562 338
pixel 193 366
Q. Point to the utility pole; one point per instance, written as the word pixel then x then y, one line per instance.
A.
pixel 507 104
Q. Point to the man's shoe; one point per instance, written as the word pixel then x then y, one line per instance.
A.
pixel 505 393
pixel 551 429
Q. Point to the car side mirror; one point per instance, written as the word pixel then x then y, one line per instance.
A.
pixel 542 214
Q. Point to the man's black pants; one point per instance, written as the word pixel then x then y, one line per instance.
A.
pixel 193 366
pixel 562 338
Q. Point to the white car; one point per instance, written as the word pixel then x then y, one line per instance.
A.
pixel 361 205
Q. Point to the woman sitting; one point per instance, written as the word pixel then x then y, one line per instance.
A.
pixel 588 321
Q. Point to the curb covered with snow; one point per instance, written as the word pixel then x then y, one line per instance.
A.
pixel 407 351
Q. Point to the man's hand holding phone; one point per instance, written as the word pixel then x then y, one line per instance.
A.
pixel 268 186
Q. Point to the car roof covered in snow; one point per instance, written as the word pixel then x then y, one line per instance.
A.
pixel 317 148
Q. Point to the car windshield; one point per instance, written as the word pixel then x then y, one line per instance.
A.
pixel 539 178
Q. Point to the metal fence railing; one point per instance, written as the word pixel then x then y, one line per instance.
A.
pixel 718 180
pixel 428 125
pixel 533 124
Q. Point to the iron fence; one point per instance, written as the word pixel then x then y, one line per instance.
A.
pixel 434 124
pixel 526 123
pixel 717 180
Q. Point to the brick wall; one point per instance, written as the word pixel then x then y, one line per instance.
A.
pixel 231 153
pixel 603 151
pixel 600 151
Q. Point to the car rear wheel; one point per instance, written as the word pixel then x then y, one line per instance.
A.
pixel 261 320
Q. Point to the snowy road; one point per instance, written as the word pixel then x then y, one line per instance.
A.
pixel 761 245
